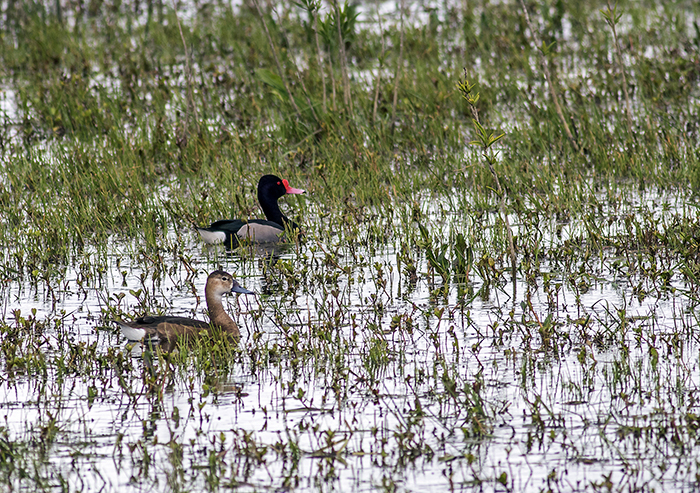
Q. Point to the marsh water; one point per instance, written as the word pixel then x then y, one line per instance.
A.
pixel 397 346
pixel 351 373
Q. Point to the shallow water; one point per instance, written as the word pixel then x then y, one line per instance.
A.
pixel 353 375
pixel 354 371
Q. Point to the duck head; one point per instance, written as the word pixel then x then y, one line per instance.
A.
pixel 271 187
pixel 221 282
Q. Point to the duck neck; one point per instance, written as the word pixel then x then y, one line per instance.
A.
pixel 271 209
pixel 219 317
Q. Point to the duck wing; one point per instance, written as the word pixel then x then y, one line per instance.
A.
pixel 223 231
pixel 153 329
pixel 232 231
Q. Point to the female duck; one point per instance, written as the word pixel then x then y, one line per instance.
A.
pixel 233 231
pixel 167 330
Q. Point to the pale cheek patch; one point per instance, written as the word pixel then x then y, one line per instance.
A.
pixel 212 237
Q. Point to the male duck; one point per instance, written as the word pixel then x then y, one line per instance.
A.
pixel 233 231
pixel 167 330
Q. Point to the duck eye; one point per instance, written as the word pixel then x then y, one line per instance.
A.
pixel 279 182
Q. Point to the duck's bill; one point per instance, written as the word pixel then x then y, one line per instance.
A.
pixel 237 288
pixel 291 189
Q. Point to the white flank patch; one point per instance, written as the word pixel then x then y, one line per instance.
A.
pixel 212 237
pixel 131 333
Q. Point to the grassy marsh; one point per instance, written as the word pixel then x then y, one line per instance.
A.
pixel 395 349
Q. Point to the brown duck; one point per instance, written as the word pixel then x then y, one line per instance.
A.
pixel 166 330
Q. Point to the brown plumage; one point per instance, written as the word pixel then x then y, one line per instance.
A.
pixel 166 330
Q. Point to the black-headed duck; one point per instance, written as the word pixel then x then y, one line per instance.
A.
pixel 233 231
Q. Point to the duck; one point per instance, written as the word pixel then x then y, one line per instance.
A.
pixel 167 330
pixel 232 232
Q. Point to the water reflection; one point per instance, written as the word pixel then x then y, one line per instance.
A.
pixel 350 365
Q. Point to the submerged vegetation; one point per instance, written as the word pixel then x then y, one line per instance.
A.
pixel 499 280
